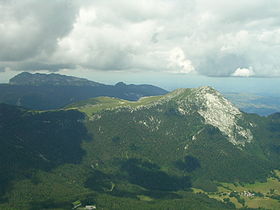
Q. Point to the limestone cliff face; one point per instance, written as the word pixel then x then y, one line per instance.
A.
pixel 218 112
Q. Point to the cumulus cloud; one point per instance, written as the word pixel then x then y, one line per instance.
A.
pixel 178 62
pixel 243 72
pixel 213 38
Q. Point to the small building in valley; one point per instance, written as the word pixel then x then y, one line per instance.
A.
pixel 90 207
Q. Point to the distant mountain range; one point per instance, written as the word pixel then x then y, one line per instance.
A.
pixel 52 91
pixel 37 79
pixel 160 152
pixel 261 104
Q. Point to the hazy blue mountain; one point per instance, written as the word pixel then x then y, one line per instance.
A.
pixel 52 91
pixel 261 104
pixel 37 79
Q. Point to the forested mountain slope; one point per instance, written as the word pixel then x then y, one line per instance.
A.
pixel 145 154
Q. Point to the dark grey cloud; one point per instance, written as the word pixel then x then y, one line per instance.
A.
pixel 33 66
pixel 30 28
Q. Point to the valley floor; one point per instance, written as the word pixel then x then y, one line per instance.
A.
pixel 258 195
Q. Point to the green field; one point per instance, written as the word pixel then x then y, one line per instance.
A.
pixel 258 195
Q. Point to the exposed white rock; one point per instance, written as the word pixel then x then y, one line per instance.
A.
pixel 182 111
pixel 221 113
pixel 94 117
pixel 143 123
pixel 194 137
pixel 216 111
pixel 43 157
pixel 151 122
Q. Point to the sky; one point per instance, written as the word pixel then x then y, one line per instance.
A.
pixel 231 45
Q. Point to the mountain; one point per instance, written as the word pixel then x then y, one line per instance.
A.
pixel 182 150
pixel 37 79
pixel 195 123
pixel 53 91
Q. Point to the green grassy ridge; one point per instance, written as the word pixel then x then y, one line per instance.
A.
pixel 181 95
pixel 98 104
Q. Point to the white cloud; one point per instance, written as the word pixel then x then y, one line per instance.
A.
pixel 178 62
pixel 243 72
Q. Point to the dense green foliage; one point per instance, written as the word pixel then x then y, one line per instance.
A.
pixel 31 140
pixel 189 164
pixel 149 176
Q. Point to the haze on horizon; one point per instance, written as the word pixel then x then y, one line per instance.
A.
pixel 233 46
